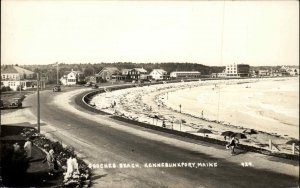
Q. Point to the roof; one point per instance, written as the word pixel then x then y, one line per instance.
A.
pixel 112 70
pixel 142 70
pixel 174 72
pixel 76 72
pixel 126 70
pixel 160 71
pixel 10 69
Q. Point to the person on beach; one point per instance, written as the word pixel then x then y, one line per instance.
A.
pixel 232 144
pixel 27 147
pixel 163 124
pixel 202 113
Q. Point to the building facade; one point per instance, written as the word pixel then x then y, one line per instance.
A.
pixel 138 74
pixel 289 71
pixel 262 73
pixel 185 74
pixel 237 70
pixel 72 78
pixel 110 73
pixel 15 76
pixel 159 74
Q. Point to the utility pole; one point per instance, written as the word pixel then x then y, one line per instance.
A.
pixel 38 102
pixel 56 73
pixel 180 107
pixel 20 84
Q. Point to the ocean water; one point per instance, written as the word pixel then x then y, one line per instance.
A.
pixel 266 105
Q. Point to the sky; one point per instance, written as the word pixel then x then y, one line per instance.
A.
pixel 213 33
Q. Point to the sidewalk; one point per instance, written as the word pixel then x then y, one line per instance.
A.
pixel 37 173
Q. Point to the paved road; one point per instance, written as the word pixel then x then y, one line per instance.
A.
pixel 103 143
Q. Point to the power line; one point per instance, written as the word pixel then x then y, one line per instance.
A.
pixel 221 53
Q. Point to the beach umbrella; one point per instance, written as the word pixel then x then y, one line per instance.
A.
pixel 250 131
pixel 204 131
pixel 239 135
pixel 156 116
pixel 294 141
pixel 227 133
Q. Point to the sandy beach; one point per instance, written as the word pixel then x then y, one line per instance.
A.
pixel 269 105
pixel 226 104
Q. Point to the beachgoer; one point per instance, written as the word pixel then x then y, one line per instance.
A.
pixel 75 165
pixel 163 124
pixel 50 160
pixel 55 163
pixel 28 147
pixel 72 167
pixel 202 113
pixel 232 144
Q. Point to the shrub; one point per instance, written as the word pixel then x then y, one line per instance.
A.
pixel 5 88
pixel 13 164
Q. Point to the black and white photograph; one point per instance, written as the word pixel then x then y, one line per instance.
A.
pixel 149 94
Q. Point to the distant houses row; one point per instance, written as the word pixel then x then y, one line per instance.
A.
pixel 15 76
pixel 135 74
pixel 243 70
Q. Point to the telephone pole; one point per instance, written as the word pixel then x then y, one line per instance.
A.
pixel 20 87
pixel 38 102
pixel 56 73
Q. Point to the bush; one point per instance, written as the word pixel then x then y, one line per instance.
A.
pixel 13 164
pixel 18 88
pixel 62 154
pixel 5 88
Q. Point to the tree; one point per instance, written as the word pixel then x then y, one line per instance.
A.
pixel 89 71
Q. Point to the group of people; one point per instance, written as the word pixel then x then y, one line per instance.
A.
pixel 50 156
pixel 72 164
pixel 27 147
pixel 52 162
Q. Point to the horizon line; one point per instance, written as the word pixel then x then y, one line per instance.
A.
pixel 146 63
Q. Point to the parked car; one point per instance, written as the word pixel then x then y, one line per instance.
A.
pixel 88 84
pixel 95 86
pixel 56 88
pixel 14 103
pixel 19 99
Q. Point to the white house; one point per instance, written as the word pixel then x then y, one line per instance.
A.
pixel 72 78
pixel 289 71
pixel 219 75
pixel 158 74
pixel 14 76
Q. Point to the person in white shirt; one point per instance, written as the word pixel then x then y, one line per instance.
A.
pixel 28 147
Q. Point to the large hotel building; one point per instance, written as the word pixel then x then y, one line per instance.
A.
pixel 237 70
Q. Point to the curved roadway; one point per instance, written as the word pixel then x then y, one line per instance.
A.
pixel 102 141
